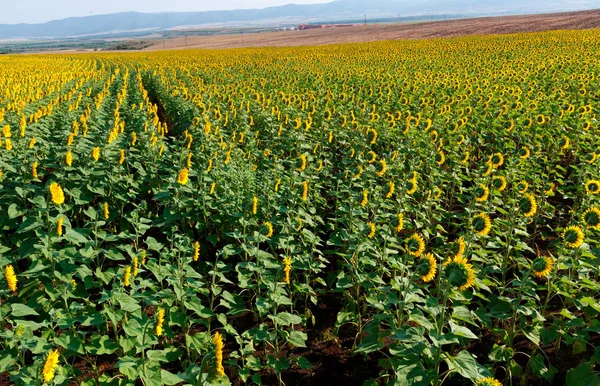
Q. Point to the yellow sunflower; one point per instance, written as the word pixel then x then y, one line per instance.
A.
pixel 489 381
pixel 482 224
pixel 573 236
pixel 528 205
pixel 482 193
pixel 461 247
pixel 427 268
pixel 499 182
pixel 591 218
pixel 592 187
pixel 522 186
pixel 549 188
pixel 400 225
pixel 459 273
pixel 440 158
pixel 542 266
pixel 524 152
pixel 411 186
pixel 415 245
pixel 497 159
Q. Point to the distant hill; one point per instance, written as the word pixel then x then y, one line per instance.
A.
pixel 336 10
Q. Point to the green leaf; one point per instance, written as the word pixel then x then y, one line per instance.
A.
pixel 286 319
pixel 128 303
pixel 74 236
pixel 462 331
pixel 19 309
pixel 13 211
pixel 466 365
pixel 582 375
pixel 71 343
pixel 298 338
pixel 421 320
pixel 538 366
pixel 501 353
pixel 304 363
pixel 170 378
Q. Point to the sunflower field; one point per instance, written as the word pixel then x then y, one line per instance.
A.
pixel 393 213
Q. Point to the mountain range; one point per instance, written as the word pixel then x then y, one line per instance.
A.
pixel 285 14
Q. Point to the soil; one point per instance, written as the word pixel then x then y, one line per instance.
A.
pixel 377 32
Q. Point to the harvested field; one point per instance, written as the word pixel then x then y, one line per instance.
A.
pixel 376 32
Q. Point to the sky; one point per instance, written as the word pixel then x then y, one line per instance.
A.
pixel 40 11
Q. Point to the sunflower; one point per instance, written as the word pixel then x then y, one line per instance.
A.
pixel 391 189
pixel 482 224
pixel 481 193
pixel 549 188
pixel 373 156
pixel 573 236
pixel 540 119
pixel 542 266
pixel 497 159
pixel 528 205
pixel 592 187
pixel 371 226
pixel 489 381
pixel 183 176
pixel 459 273
pixel 564 142
pixel 427 268
pixel 57 194
pixel 383 164
pixel 591 218
pixel 522 186
pixel 499 182
pixel 411 186
pixel 415 245
pixel 461 247
pixel 440 158
pixel 437 192
pixel 524 152
pixel 400 225
pixel 465 159
pixel 590 158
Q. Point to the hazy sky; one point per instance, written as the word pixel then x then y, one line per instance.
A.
pixel 40 11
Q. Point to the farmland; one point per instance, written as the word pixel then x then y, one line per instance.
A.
pixel 393 213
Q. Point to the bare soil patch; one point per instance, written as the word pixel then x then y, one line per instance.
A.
pixel 377 32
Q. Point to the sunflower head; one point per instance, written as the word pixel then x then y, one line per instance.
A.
pixel 461 246
pixel 528 205
pixel 590 158
pixel 411 186
pixel 592 187
pixel 573 236
pixel 564 142
pixel 415 245
pixel 497 160
pixel 499 182
pixel 427 267
pixel 489 381
pixel 481 193
pixel 440 158
pixel 482 224
pixel 591 218
pixel 549 188
pixel 542 266
pixel 459 273
pixel 524 152
pixel 522 186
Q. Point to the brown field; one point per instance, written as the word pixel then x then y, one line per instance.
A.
pixel 375 32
